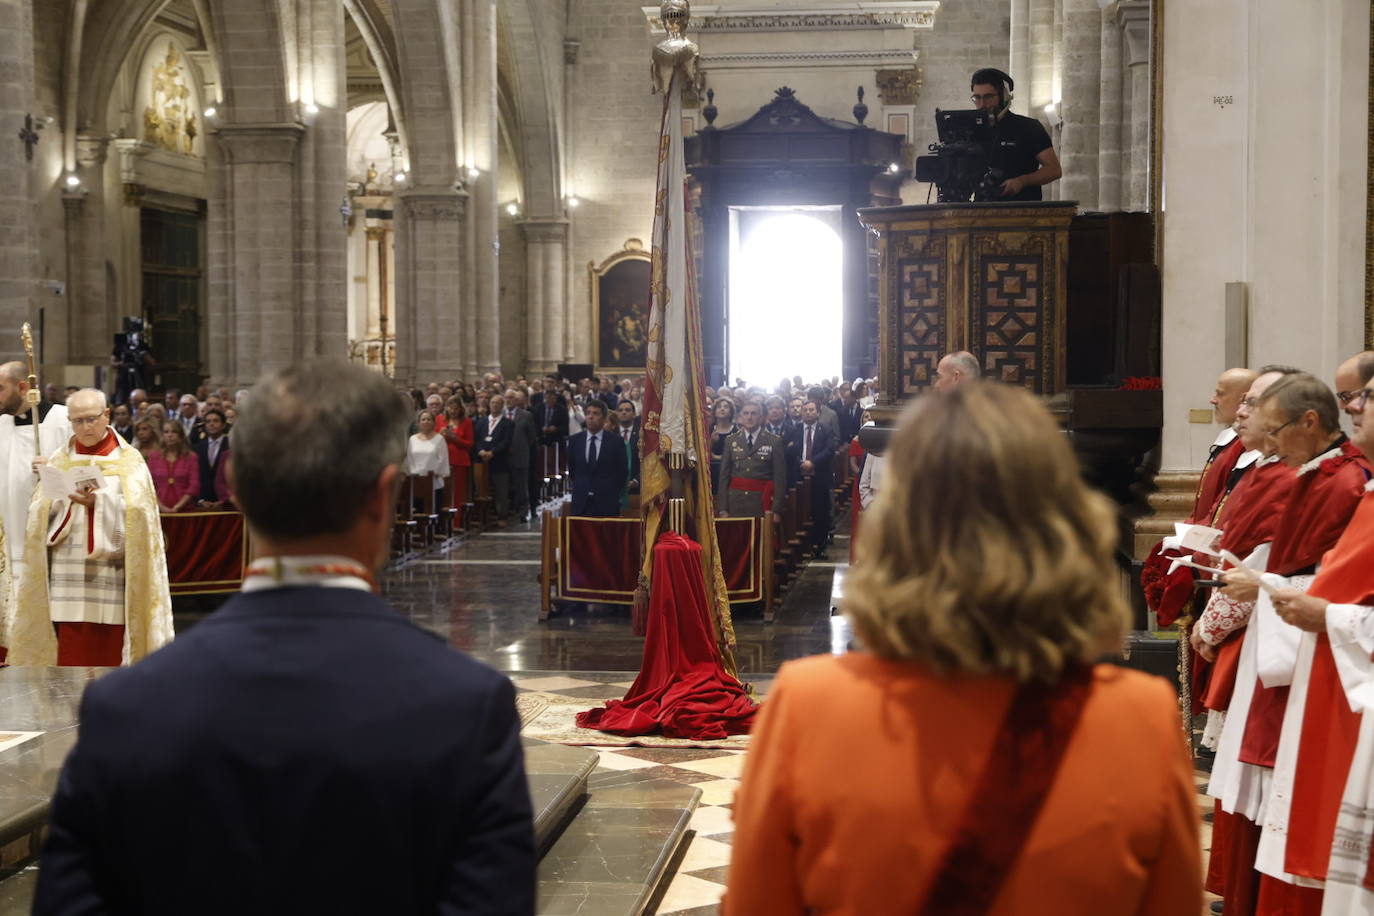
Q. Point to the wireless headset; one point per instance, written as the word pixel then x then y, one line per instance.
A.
pixel 999 80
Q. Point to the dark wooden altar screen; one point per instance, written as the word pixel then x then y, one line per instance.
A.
pixel 787 155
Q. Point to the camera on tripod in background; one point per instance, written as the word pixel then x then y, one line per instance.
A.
pixel 960 164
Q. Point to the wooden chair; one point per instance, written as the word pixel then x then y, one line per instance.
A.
pixel 404 528
pixel 480 517
pixel 427 515
pixel 450 509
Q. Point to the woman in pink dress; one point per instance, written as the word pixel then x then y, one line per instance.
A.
pixel 175 469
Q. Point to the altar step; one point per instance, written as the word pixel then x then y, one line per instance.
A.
pixel 606 851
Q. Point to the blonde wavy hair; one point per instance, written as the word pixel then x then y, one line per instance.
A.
pixel 984 552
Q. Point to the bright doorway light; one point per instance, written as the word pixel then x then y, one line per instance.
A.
pixel 786 314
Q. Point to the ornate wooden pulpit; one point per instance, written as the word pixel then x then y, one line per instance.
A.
pixel 989 278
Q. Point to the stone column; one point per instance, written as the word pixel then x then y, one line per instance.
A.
pixel 91 322
pixel 322 252
pixel 1109 192
pixel 18 258
pixel 546 254
pixel 481 124
pixel 429 273
pixel 254 309
pixel 1080 106
pixel 1020 54
pixel 1134 16
pixel 1037 86
pixel 375 259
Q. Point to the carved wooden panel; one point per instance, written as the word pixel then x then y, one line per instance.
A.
pixel 921 300
pixel 1012 319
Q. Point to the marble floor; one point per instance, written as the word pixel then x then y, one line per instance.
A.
pixel 483 597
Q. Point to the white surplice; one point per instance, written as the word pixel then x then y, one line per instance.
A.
pixel 1351 630
pixel 18 479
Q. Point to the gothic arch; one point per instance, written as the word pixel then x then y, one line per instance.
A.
pixel 426 38
pixel 531 74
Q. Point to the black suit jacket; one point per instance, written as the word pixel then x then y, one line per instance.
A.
pixel 596 489
pixel 499 446
pixel 634 451
pixel 851 419
pixel 302 750
pixel 207 470
pixel 822 453
pixel 558 420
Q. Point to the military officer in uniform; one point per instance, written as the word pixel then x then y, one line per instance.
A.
pixel 753 469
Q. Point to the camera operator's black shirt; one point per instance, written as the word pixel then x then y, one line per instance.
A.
pixel 1018 141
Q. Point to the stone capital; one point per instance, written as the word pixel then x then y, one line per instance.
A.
pixel 90 151
pixel 260 143
pixel 435 204
pixel 1133 16
pixel 544 230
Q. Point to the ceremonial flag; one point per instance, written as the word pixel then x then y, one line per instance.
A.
pixel 673 431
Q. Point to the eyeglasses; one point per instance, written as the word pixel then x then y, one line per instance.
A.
pixel 987 97
pixel 85 421
pixel 1249 403
pixel 1275 432
pixel 1355 397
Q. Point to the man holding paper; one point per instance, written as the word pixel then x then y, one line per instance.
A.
pixel 1301 420
pixel 97 568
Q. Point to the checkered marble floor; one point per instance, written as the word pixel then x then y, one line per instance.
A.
pixel 699 881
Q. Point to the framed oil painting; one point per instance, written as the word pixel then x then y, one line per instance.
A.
pixel 620 309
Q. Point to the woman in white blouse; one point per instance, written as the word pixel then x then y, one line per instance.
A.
pixel 427 452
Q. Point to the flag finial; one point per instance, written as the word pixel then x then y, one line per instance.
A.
pixel 677 50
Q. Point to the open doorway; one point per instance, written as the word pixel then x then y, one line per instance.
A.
pixel 785 314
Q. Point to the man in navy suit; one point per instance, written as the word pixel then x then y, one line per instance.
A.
pixel 598 465
pixel 212 450
pixel 305 749
pixel 813 448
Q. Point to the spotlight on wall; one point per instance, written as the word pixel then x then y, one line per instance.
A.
pixel 312 109
pixel 474 173
pixel 211 112
pixel 573 202
pixel 400 178
pixel 893 168
pixel 1049 109
pixel 513 208
pixel 73 181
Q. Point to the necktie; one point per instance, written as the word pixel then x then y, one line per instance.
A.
pixel 591 449
pixel 806 452
pixel 751 442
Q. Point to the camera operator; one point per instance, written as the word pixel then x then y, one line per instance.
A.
pixel 1023 151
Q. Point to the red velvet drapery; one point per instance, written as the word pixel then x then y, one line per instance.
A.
pixel 682 691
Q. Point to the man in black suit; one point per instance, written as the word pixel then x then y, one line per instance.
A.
pixel 597 465
pixel 212 451
pixel 491 446
pixel 553 418
pixel 627 428
pixel 524 440
pixel 123 422
pixel 850 413
pixel 814 449
pixel 305 749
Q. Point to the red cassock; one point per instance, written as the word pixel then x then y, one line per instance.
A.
pixel 1249 516
pixel 1321 505
pixel 1329 728
pixel 1212 487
